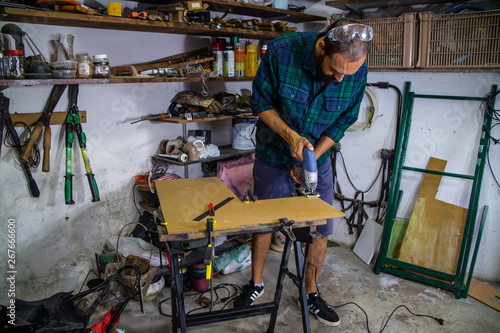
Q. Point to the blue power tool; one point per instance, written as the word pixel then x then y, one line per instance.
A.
pixel 309 174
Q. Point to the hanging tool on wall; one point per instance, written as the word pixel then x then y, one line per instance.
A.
pixel 5 120
pixel 44 120
pixel 73 123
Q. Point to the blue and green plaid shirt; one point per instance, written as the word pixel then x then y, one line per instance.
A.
pixel 285 82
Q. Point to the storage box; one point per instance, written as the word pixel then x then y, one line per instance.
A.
pixel 467 40
pixel 394 41
pixel 193 5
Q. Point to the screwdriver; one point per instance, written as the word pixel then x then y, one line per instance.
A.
pixel 151 117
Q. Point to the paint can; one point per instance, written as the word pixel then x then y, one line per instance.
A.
pixel 244 133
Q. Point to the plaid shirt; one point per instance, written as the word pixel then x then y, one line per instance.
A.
pixel 285 82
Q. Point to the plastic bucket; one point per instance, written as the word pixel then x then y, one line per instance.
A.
pixel 198 279
pixel 244 133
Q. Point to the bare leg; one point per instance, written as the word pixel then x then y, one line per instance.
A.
pixel 260 248
pixel 317 251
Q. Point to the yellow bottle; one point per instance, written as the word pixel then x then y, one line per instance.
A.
pixel 251 60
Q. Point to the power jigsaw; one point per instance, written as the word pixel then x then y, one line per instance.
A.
pixel 308 175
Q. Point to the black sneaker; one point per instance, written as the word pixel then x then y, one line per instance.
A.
pixel 248 295
pixel 322 311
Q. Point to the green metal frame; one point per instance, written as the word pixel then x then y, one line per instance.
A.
pixel 454 282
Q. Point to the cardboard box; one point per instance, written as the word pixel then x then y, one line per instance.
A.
pixel 193 5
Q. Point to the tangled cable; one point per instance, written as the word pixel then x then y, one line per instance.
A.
pixel 439 320
pixel 34 158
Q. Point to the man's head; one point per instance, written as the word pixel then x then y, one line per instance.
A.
pixel 342 50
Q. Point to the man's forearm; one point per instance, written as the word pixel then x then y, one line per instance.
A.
pixel 272 119
pixel 296 142
pixel 323 145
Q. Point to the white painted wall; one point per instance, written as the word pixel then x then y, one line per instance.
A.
pixel 55 243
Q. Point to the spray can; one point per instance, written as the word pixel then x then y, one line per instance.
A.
pixel 240 59
pixel 218 64
pixel 251 60
pixel 229 61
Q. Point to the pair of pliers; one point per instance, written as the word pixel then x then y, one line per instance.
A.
pixel 73 123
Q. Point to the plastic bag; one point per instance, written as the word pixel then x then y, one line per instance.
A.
pixel 233 260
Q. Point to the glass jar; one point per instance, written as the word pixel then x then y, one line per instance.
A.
pixel 84 67
pixel 13 61
pixel 101 66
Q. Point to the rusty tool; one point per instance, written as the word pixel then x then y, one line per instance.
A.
pixel 44 120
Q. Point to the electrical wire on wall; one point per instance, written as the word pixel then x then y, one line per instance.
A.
pixel 495 116
pixel 357 203
pixel 371 115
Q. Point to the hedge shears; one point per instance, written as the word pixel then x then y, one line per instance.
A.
pixel 73 123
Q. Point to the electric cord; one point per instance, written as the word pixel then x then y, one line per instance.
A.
pixel 439 320
pixel 224 293
pixel 34 157
pixel 495 115
pixel 372 113
pixel 350 180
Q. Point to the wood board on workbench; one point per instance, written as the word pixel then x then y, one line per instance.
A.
pixel 434 234
pixel 182 200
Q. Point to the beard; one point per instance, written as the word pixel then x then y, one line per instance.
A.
pixel 320 75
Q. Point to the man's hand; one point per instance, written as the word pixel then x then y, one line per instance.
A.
pixel 297 144
pixel 295 174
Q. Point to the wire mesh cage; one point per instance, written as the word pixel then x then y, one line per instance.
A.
pixel 394 41
pixel 461 40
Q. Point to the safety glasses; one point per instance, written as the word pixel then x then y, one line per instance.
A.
pixel 346 33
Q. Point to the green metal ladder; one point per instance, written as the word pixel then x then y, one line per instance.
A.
pixel 454 282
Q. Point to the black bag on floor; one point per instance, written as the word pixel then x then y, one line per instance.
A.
pixel 58 313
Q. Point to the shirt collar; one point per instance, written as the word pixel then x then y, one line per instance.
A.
pixel 309 62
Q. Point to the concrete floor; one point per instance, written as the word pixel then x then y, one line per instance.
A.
pixel 345 278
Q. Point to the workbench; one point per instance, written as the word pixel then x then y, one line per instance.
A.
pixel 185 208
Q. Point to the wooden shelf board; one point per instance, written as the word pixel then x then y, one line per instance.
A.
pixel 119 23
pixel 152 79
pixel 185 121
pixel 58 118
pixel 239 8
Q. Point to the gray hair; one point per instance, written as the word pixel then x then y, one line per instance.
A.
pixel 352 50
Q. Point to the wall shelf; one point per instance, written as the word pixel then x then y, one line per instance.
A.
pixel 118 23
pixel 225 153
pixel 155 79
pixel 239 8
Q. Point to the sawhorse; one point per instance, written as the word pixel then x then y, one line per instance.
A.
pixel 293 236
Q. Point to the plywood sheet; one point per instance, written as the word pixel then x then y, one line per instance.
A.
pixel 182 200
pixel 434 234
pixel 485 294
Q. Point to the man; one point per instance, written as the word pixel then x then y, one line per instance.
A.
pixel 307 92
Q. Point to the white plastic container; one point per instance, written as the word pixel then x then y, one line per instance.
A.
pixel 244 133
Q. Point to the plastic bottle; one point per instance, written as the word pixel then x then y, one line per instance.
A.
pixel 218 64
pixel 229 61
pixel 13 61
pixel 263 51
pixel 239 59
pixel 101 66
pixel 251 60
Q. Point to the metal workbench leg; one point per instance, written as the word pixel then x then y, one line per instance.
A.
pixel 301 283
pixel 298 279
pixel 177 296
